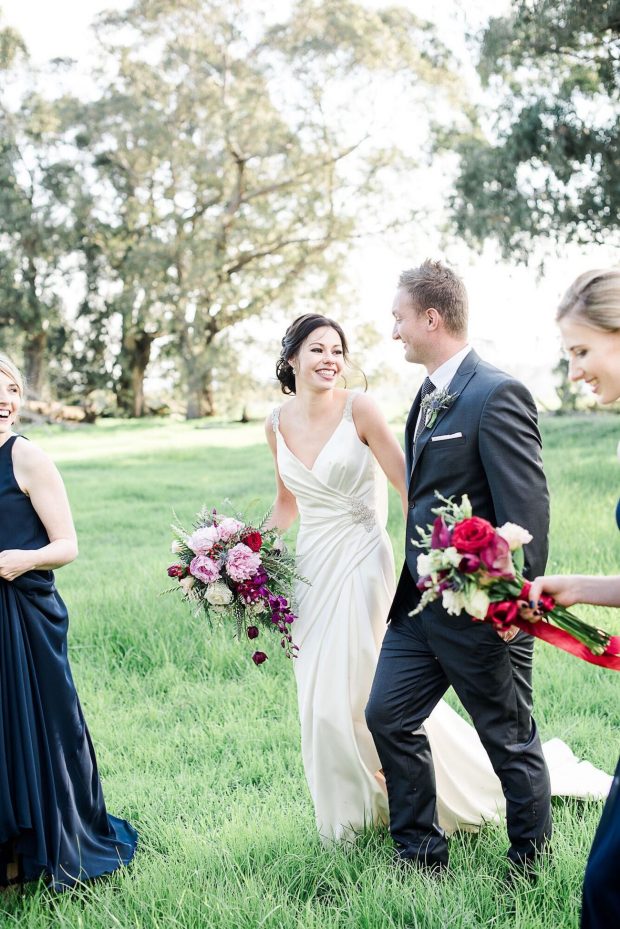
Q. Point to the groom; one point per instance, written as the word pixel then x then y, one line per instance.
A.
pixel 483 442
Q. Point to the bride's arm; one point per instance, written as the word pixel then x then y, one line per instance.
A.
pixel 284 510
pixel 374 431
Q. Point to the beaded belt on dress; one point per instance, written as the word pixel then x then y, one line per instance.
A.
pixel 361 513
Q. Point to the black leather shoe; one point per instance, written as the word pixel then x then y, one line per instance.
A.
pixel 435 869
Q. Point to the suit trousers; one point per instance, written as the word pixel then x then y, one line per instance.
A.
pixel 420 658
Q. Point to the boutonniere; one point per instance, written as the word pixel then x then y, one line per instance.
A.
pixel 434 403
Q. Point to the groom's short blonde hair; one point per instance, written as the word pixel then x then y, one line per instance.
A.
pixel 434 284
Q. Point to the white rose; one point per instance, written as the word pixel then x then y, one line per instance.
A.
pixel 476 602
pixel 453 602
pixel 203 540
pixel 218 594
pixel 451 557
pixel 187 583
pixel 425 565
pixel 516 536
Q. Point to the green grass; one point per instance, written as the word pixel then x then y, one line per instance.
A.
pixel 200 749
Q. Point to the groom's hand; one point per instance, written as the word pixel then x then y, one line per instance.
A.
pixel 507 634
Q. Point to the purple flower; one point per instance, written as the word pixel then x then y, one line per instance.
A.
pixel 496 558
pixel 242 563
pixel 469 564
pixel 423 583
pixel 254 589
pixel 205 569
pixel 442 535
pixel 259 657
pixel 252 632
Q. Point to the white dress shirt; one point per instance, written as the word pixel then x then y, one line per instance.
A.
pixel 442 375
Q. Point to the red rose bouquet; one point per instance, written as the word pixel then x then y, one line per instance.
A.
pixel 476 567
pixel 230 569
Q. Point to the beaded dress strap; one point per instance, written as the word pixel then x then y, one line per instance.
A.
pixel 347 413
pixel 275 418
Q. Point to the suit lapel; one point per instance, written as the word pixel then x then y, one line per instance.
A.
pixel 458 383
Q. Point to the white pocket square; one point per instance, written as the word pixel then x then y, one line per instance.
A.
pixel 442 438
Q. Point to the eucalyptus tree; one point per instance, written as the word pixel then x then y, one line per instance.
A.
pixel 36 236
pixel 235 160
pixel 36 188
pixel 544 160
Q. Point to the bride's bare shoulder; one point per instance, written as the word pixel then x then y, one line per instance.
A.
pixel 364 405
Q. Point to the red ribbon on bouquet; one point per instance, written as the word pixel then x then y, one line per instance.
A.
pixel 561 639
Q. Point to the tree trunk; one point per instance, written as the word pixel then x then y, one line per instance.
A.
pixel 200 398
pixel 35 366
pixel 134 358
pixel 565 389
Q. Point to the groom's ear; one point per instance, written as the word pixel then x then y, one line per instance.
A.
pixel 433 318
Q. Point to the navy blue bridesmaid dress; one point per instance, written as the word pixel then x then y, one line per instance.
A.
pixel 52 812
pixel 601 893
pixel 601 888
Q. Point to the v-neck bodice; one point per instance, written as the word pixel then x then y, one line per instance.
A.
pixel 344 483
pixel 347 416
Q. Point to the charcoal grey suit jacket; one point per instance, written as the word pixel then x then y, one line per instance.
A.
pixel 491 452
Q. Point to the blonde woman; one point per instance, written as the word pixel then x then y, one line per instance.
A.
pixel 53 820
pixel 589 320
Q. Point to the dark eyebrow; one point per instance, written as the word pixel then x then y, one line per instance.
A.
pixel 322 344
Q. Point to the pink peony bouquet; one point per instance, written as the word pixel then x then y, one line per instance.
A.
pixel 474 567
pixel 236 571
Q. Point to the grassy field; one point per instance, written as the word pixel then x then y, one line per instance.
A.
pixel 200 749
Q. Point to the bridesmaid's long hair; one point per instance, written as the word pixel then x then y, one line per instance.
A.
pixel 8 368
pixel 294 337
pixel 594 300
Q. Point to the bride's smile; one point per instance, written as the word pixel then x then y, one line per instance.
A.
pixel 320 359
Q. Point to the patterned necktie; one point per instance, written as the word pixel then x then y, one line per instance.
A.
pixel 427 388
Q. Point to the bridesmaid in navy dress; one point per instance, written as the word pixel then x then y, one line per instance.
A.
pixel 589 320
pixel 53 820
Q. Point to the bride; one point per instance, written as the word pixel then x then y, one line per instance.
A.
pixel 333 451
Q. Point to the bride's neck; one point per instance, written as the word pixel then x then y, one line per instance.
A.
pixel 316 405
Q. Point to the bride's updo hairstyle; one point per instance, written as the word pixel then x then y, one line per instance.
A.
pixel 593 300
pixel 294 337
pixel 12 371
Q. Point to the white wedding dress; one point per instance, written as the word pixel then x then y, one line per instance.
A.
pixel 343 549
